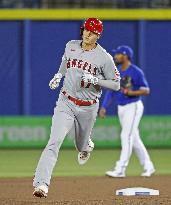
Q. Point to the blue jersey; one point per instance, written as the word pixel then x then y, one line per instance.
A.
pixel 138 81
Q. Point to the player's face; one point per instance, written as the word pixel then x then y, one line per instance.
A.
pixel 89 37
pixel 119 58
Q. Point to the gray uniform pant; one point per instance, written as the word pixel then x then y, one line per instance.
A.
pixel 66 115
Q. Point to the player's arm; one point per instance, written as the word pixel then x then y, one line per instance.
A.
pixel 63 68
pixel 54 83
pixel 113 84
pixel 140 92
pixel 109 84
pixel 106 102
pixel 110 73
pixel 143 86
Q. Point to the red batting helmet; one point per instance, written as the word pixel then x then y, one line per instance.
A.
pixel 94 25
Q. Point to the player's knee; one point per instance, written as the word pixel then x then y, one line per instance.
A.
pixel 124 135
pixel 54 146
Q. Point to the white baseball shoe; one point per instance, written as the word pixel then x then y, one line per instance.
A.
pixel 115 174
pixel 90 145
pixel 40 191
pixel 85 155
pixel 148 173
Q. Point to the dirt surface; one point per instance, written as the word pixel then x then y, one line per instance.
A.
pixel 85 191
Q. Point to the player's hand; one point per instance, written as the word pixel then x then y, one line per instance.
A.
pixel 89 78
pixel 102 112
pixel 117 76
pixel 54 83
pixel 127 92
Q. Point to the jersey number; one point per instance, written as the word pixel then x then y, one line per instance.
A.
pixel 83 84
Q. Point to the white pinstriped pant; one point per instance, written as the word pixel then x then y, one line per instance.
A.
pixel 130 116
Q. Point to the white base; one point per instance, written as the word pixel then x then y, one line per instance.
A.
pixel 137 191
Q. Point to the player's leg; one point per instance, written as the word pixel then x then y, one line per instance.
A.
pixel 129 116
pixel 126 116
pixel 143 155
pixel 84 123
pixel 62 121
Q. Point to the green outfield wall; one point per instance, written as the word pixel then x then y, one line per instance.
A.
pixel 33 132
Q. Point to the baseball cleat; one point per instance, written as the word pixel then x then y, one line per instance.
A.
pixel 90 146
pixel 83 157
pixel 148 173
pixel 40 191
pixel 115 174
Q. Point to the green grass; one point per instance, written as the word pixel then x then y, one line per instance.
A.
pixel 22 163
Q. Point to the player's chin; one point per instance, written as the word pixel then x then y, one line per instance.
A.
pixel 118 62
pixel 86 41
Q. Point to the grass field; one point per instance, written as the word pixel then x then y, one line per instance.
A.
pixel 22 163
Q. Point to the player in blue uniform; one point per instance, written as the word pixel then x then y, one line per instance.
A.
pixel 130 110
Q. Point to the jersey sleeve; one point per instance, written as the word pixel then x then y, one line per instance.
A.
pixel 141 80
pixel 110 70
pixel 107 98
pixel 63 66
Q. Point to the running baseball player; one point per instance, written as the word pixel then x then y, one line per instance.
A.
pixel 130 111
pixel 86 67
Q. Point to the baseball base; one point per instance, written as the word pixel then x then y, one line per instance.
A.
pixel 137 191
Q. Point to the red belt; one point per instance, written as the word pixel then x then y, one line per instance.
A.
pixel 79 101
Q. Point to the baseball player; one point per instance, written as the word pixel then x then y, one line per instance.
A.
pixel 130 111
pixel 86 67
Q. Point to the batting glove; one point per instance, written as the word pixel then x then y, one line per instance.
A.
pixel 117 75
pixel 54 83
pixel 89 78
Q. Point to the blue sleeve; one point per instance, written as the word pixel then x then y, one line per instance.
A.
pixel 141 80
pixel 107 98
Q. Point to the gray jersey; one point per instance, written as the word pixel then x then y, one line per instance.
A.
pixel 76 61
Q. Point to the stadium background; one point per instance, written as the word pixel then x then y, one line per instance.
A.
pixel 32 47
pixel 32 43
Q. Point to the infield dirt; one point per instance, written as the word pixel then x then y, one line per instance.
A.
pixel 85 191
